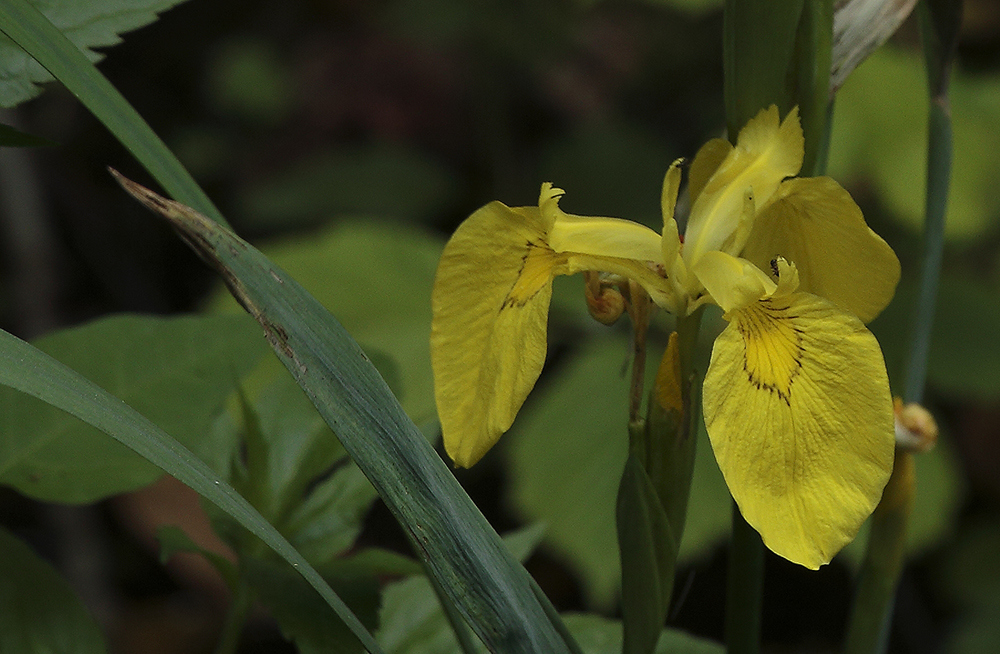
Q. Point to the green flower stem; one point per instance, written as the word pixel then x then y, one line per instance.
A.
pixel 236 617
pixel 687 338
pixel 744 588
pixel 868 630
pixel 938 178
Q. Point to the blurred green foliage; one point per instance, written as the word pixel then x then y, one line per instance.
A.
pixel 39 611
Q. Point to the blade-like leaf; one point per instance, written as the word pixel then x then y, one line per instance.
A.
pixel 43 41
pixel 459 546
pixel 39 612
pixel 31 371
pixel 88 24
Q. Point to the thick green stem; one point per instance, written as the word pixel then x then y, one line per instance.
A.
pixel 744 588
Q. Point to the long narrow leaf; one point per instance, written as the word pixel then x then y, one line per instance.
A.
pixel 29 370
pixel 463 552
pixel 27 27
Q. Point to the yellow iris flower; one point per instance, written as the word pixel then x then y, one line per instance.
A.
pixel 796 399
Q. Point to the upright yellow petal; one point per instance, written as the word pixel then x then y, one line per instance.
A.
pixel 797 406
pixel 766 152
pixel 710 156
pixel 814 223
pixel 488 334
pixel 732 282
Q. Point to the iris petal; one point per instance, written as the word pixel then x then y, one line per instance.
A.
pixel 814 223
pixel 797 407
pixel 488 335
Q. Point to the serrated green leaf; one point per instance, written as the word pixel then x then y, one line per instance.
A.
pixel 177 371
pixel 458 546
pixel 87 23
pixel 31 30
pixel 39 612
pixel 288 463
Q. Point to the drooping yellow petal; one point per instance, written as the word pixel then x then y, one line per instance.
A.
pixel 767 151
pixel 797 407
pixel 488 334
pixel 814 223
pixel 732 282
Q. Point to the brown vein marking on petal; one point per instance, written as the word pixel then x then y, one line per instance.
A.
pixel 772 348
pixel 537 263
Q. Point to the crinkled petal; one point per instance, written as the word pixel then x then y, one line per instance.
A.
pixel 488 334
pixel 767 151
pixel 732 282
pixel 798 409
pixel 814 223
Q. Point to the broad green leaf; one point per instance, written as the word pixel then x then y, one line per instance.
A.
pixel 567 450
pixel 458 546
pixel 31 371
pixel 880 140
pixel 39 612
pixel 963 359
pixel 376 278
pixel 87 23
pixel 372 180
pixel 176 371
